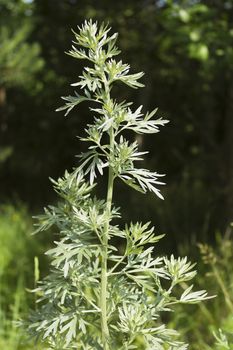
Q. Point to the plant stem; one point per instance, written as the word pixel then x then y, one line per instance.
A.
pixel 223 287
pixel 104 267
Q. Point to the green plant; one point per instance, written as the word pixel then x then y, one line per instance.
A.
pixel 211 328
pixel 222 342
pixel 99 295
pixel 15 226
pixel 219 261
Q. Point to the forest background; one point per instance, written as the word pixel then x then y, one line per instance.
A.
pixel 185 49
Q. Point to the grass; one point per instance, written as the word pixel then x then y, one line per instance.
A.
pixel 17 253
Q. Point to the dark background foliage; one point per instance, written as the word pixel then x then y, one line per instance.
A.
pixel 184 48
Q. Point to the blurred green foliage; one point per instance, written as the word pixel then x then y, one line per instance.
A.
pixel 19 59
pixel 18 249
pixel 186 47
pixel 210 326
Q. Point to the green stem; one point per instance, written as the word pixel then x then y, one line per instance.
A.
pixel 104 267
pixel 224 289
pixel 111 272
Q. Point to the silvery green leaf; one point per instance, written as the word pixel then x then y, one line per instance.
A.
pixel 193 297
pixel 221 340
pixel 144 178
pixel 70 328
pixel 179 270
pixel 132 80
pixel 71 102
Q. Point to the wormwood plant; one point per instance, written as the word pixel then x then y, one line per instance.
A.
pixel 98 296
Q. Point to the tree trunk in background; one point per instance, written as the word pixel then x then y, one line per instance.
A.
pixel 5 151
pixel 2 95
pixel 229 155
pixel 2 108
